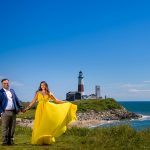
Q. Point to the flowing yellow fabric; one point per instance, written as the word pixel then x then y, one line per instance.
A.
pixel 51 119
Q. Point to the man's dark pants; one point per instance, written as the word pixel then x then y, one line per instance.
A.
pixel 8 126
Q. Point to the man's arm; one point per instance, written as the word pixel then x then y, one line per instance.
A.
pixel 1 108
pixel 18 102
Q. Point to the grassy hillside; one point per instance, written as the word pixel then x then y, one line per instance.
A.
pixel 114 138
pixel 97 105
pixel 83 105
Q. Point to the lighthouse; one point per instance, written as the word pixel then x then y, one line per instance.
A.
pixel 80 84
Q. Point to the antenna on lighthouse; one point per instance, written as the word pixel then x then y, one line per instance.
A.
pixel 80 84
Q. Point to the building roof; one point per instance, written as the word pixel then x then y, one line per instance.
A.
pixel 72 92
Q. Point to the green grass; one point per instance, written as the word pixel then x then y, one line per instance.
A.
pixel 27 115
pixel 97 105
pixel 114 138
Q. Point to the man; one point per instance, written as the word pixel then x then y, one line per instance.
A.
pixel 9 107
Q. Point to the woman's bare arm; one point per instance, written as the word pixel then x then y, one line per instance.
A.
pixel 32 103
pixel 55 100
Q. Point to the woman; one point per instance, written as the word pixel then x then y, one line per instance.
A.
pixel 51 118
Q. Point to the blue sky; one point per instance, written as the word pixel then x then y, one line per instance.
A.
pixel 53 40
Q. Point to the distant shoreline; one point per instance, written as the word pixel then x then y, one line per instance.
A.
pixel 97 123
pixel 83 122
pixel 90 123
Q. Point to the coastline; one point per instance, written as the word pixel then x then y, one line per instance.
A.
pixel 97 123
pixel 80 124
pixel 90 123
pixel 91 119
pixel 91 113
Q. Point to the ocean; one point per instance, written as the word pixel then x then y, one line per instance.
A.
pixel 140 107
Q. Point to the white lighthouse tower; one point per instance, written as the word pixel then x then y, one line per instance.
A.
pixel 97 91
pixel 80 84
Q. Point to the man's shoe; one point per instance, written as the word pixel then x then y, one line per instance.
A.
pixel 4 144
pixel 10 143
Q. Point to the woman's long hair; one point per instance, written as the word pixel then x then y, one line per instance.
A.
pixel 47 89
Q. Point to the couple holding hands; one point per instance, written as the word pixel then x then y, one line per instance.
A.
pixel 51 118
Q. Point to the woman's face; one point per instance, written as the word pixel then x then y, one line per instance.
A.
pixel 43 86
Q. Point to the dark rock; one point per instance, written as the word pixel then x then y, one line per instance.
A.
pixel 115 114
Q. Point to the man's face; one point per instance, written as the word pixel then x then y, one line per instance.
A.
pixel 5 84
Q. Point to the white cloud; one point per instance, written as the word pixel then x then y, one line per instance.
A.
pixel 146 81
pixel 1 77
pixel 128 90
pixel 16 84
pixel 130 85
pixel 139 90
pixel 13 83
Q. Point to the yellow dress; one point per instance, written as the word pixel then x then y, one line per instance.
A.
pixel 51 119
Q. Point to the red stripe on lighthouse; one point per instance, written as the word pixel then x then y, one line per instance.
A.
pixel 80 88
